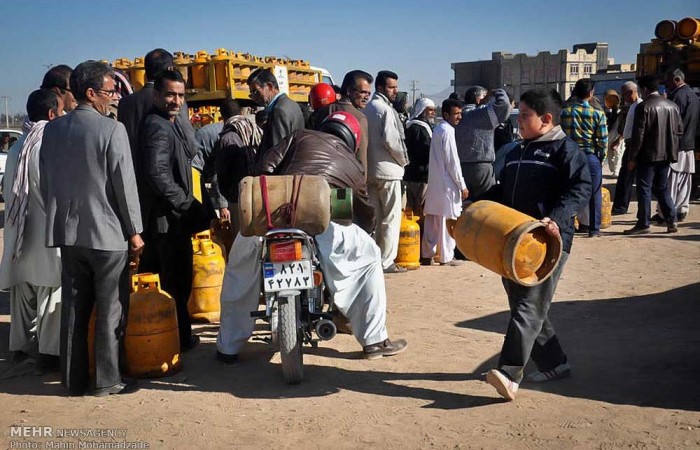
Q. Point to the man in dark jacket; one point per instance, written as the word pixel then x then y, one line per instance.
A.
pixel 680 176
pixel 655 138
pixel 170 211
pixel 419 134
pixel 134 108
pixel 284 116
pixel 546 176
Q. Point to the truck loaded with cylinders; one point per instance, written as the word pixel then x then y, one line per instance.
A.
pixel 676 46
pixel 213 78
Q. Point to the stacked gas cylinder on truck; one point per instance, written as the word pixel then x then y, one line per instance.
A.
pixel 213 78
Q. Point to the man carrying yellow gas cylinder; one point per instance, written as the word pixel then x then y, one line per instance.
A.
pixel 546 182
pixel 348 256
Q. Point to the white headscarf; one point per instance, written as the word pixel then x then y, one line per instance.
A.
pixel 420 106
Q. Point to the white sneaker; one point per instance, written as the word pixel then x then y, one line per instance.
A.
pixel 504 385
pixel 561 371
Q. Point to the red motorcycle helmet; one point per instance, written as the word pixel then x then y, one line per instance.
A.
pixel 345 126
pixel 321 95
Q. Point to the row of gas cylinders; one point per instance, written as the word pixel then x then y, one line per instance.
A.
pixel 194 68
pixel 151 338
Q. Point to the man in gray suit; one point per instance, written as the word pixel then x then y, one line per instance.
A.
pixel 93 215
pixel 284 116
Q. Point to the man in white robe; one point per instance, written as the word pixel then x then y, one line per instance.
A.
pixel 446 187
pixel 30 270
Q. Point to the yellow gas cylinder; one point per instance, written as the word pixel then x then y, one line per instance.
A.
pixel 508 242
pixel 222 59
pixel 152 340
pixel 137 74
pixel 205 235
pixel 123 64
pixel 182 64
pixel 199 70
pixel 666 30
pixel 409 242
pixel 689 29
pixel 207 278
pixel 133 268
pixel 606 209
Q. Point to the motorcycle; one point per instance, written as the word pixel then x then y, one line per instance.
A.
pixel 293 287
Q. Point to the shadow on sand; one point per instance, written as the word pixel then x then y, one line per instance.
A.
pixel 642 350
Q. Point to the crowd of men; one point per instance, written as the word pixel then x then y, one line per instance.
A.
pixel 87 193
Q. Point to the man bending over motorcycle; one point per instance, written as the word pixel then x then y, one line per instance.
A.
pixel 350 259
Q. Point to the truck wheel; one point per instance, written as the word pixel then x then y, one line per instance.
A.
pixel 290 339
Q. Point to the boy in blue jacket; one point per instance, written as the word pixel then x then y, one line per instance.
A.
pixel 546 177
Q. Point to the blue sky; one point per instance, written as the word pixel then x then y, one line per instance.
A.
pixel 416 39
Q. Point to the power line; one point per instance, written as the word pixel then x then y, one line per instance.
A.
pixel 414 88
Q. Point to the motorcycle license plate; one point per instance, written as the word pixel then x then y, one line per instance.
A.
pixel 287 275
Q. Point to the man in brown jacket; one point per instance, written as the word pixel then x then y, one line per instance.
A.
pixel 655 139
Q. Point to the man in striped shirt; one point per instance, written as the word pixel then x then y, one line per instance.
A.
pixel 588 127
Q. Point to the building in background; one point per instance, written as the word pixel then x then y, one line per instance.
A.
pixel 520 72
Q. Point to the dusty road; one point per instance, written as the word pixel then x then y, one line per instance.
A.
pixel 627 312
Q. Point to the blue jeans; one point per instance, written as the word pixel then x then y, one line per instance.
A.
pixel 595 204
pixel 652 178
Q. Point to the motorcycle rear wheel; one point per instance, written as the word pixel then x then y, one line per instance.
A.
pixel 290 339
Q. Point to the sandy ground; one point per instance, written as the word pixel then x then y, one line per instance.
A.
pixel 627 311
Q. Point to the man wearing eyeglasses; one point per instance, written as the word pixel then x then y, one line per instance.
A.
pixel 93 215
pixel 284 116
pixel 355 93
pixel 56 79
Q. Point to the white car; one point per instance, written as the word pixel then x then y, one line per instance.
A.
pixel 11 135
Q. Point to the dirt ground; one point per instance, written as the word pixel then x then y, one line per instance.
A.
pixel 627 312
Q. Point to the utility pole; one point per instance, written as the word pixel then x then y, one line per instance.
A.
pixel 414 88
pixel 7 112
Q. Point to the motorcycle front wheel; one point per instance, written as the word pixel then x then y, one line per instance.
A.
pixel 290 338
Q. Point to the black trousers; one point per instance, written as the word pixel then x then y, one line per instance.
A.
pixel 170 256
pixel 625 181
pixel 530 333
pixel 100 279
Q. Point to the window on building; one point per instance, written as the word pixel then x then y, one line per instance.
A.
pixel 587 68
pixel 574 69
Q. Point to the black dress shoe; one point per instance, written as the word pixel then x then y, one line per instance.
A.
pixel 189 345
pixel 226 359
pixel 672 228
pixel 618 212
pixel 583 229
pixel 658 220
pixel 637 229
pixel 681 217
pixel 125 387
